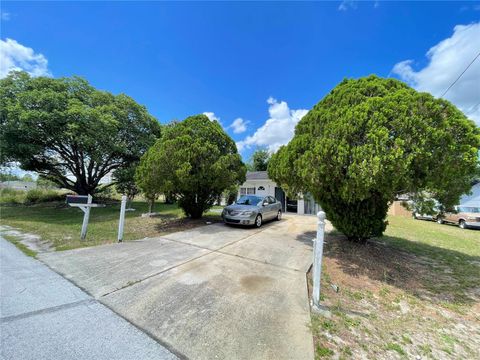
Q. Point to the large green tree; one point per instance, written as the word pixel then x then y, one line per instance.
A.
pixel 259 160
pixel 69 132
pixel 370 140
pixel 195 161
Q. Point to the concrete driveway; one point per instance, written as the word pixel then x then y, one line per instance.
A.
pixel 210 292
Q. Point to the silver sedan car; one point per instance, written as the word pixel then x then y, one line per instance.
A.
pixel 252 210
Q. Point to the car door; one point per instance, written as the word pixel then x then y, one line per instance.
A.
pixel 272 208
pixel 277 205
pixel 265 208
pixel 456 215
pixel 451 216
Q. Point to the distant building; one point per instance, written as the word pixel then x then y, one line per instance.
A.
pixel 18 185
pixel 472 200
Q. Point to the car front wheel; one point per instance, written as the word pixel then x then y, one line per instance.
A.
pixel 279 215
pixel 440 221
pixel 258 221
pixel 462 224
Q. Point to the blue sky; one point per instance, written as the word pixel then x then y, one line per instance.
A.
pixel 228 59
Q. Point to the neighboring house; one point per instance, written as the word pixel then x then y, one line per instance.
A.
pixel 472 200
pixel 18 185
pixel 258 183
pixel 396 208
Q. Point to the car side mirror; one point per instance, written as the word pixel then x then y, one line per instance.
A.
pixel 265 203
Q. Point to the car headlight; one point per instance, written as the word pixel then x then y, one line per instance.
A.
pixel 247 213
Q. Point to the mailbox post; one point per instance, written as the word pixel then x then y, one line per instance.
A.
pixel 86 217
pixel 84 202
pixel 317 260
pixel 121 223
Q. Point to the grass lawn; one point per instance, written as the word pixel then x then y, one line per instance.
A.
pixel 60 225
pixel 413 293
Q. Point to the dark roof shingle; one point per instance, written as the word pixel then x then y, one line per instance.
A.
pixel 257 175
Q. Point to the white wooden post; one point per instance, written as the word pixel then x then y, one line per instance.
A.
pixel 86 216
pixel 317 259
pixel 121 223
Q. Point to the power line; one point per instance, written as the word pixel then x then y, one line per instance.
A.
pixel 463 72
pixel 473 108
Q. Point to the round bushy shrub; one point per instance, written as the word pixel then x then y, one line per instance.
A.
pixel 370 140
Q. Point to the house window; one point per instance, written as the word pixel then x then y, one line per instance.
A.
pixel 261 188
pixel 247 191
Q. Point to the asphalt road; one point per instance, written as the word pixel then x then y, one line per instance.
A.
pixel 44 316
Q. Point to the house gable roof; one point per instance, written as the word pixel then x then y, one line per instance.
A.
pixel 257 175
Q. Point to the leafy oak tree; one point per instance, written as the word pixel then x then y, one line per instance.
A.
pixel 69 132
pixel 370 140
pixel 195 161
pixel 259 160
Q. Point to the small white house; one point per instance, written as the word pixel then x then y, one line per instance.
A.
pixel 258 183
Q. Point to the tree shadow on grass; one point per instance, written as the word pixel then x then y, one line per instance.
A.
pixel 428 272
pixel 174 224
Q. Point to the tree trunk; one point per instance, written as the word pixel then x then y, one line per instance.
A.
pixel 196 215
pixel 151 202
pixel 359 240
pixel 130 198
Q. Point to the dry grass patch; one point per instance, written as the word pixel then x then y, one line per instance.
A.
pixel 414 293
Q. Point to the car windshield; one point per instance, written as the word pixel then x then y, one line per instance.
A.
pixel 249 200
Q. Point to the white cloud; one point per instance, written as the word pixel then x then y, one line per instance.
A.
pixel 4 16
pixel 239 126
pixel 346 5
pixel 447 60
pixel 278 130
pixel 211 116
pixel 15 56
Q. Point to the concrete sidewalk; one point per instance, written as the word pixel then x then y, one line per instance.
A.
pixel 210 292
pixel 44 316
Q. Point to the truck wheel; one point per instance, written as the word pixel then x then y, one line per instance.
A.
pixel 440 221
